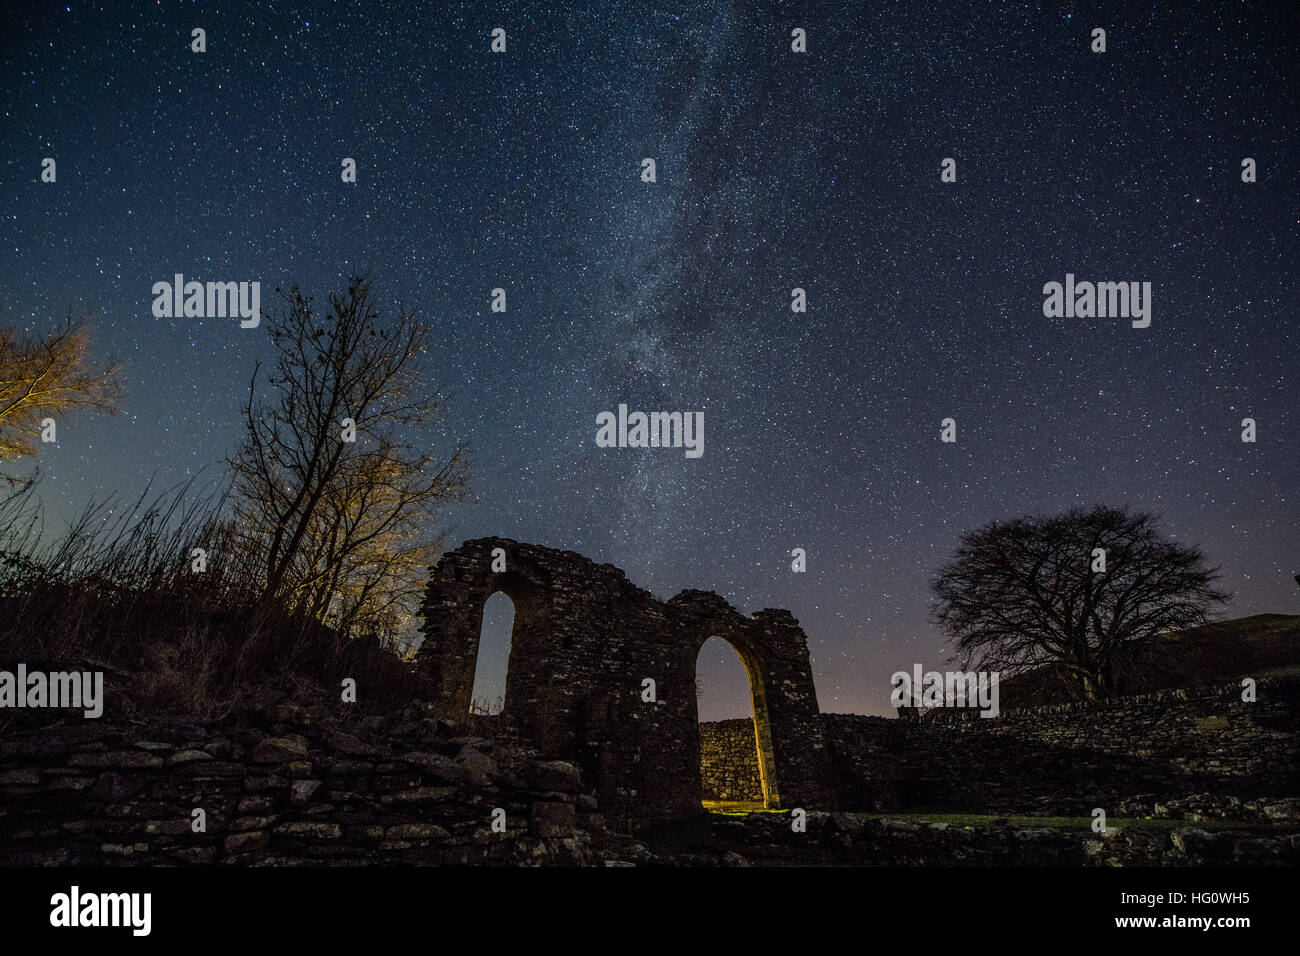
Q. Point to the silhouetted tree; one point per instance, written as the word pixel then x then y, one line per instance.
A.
pixel 343 528
pixel 47 378
pixel 1024 593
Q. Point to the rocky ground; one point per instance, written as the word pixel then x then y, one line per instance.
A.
pixel 847 839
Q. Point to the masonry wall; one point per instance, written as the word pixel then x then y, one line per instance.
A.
pixel 729 761
pixel 1068 759
pixel 1072 758
pixel 278 788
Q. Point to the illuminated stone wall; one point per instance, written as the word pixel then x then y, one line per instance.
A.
pixel 729 761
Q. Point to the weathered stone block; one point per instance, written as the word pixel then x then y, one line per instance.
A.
pixel 280 749
pixel 311 831
pixel 551 819
pixel 247 841
pixel 416 831
pixel 301 791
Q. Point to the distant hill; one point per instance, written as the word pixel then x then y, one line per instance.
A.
pixel 1264 645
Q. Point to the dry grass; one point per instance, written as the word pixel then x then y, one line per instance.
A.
pixel 118 592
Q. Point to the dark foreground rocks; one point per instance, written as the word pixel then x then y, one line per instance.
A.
pixel 280 787
pixel 846 839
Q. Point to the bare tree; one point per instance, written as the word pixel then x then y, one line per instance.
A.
pixel 47 378
pixel 1025 593
pixel 333 496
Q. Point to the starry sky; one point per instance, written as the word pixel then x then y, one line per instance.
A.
pixel 775 170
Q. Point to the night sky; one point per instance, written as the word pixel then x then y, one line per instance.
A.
pixel 775 170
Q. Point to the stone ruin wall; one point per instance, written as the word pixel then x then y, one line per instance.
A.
pixel 279 787
pixel 585 640
pixel 1061 760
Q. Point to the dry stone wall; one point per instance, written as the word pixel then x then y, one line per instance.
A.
pixel 1123 754
pixel 278 788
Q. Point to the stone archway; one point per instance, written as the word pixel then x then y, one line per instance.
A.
pixel 602 674
pixel 769 783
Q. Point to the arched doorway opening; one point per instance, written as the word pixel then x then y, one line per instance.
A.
pixel 488 698
pixel 736 762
